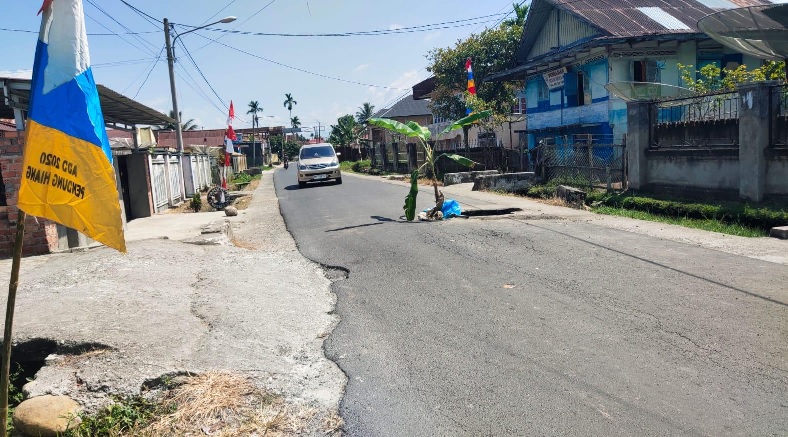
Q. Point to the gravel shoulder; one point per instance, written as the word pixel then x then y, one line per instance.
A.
pixel 167 307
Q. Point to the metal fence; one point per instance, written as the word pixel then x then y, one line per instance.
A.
pixel 779 107
pixel 709 120
pixel 582 164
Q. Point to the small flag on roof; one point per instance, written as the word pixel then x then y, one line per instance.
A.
pixel 68 173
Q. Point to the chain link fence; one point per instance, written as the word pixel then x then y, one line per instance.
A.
pixel 583 165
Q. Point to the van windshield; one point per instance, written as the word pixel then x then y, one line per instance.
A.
pixel 317 152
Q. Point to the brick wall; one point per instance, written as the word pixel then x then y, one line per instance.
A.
pixel 40 235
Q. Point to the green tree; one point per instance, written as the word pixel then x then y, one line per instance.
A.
pixel 711 78
pixel 364 113
pixel 295 122
pixel 289 103
pixel 187 125
pixel 346 132
pixel 491 51
pixel 254 109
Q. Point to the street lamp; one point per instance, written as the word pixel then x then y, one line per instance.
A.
pixel 170 66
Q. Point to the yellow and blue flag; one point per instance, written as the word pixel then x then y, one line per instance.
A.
pixel 68 173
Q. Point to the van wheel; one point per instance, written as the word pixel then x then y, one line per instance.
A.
pixel 339 181
pixel 301 184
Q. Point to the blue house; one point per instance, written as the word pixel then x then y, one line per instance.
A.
pixel 570 49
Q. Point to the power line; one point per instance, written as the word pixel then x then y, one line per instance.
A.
pixel 197 67
pixel 325 76
pixel 89 34
pixel 219 11
pixel 150 19
pixel 411 29
pixel 136 46
pixel 152 67
pixel 121 63
pixel 241 24
pixel 139 38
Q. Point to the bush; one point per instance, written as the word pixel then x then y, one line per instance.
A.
pixel 541 191
pixel 242 178
pixel 196 203
pixel 361 166
pixel 756 217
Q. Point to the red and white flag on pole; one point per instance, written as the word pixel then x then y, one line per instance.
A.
pixel 229 137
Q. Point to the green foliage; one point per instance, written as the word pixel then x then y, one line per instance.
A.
pixel 468 120
pixel 295 122
pixel 196 203
pixel 410 199
pixel 409 130
pixel 491 51
pixel 711 78
pixel 242 178
pixel 278 142
pixel 763 218
pixel 124 416
pixel 711 225
pixel 541 191
pixel 361 166
pixel 346 132
pixel 15 396
pixel 364 113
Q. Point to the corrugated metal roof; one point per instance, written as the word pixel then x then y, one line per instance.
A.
pixel 406 107
pixel 664 18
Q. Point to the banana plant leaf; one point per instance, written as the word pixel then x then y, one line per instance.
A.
pixel 473 118
pixel 461 160
pixel 410 200
pixel 425 133
pixel 395 126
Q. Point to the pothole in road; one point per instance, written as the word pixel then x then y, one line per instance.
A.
pixel 335 273
pixel 490 212
pixel 28 357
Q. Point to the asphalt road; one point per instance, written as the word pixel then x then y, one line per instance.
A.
pixel 543 327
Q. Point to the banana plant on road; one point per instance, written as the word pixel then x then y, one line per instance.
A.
pixel 412 129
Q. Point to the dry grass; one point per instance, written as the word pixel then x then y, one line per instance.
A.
pixel 223 405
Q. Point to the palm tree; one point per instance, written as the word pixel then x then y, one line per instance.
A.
pixel 520 12
pixel 364 113
pixel 188 125
pixel 295 122
pixel 289 102
pixel 346 132
pixel 254 109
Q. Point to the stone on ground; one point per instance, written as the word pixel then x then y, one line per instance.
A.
pixel 231 211
pixel 46 416
pixel 780 232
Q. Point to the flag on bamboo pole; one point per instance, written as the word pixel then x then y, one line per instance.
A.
pixel 471 82
pixel 229 137
pixel 68 173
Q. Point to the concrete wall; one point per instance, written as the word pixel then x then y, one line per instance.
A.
pixel 753 170
pixel 717 173
pixel 777 176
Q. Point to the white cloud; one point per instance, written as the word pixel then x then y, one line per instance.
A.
pixel 432 35
pixel 395 26
pixel 400 86
pixel 361 67
pixel 18 74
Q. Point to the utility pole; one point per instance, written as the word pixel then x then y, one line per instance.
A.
pixel 178 131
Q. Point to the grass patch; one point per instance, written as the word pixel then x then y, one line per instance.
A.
pixel 356 166
pixel 214 403
pixel 756 217
pixel 705 224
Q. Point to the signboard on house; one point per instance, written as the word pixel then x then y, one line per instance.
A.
pixel 555 78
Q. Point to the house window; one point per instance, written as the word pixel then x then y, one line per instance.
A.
pixel 647 71
pixel 581 88
pixel 543 91
pixel 519 106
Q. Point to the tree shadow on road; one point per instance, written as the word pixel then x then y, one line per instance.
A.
pixel 380 221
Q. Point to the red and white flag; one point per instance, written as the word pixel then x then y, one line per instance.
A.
pixel 229 137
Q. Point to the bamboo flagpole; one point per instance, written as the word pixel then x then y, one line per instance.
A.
pixel 5 366
pixel 64 132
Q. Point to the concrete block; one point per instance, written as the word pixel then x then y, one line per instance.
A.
pixel 780 232
pixel 509 182
pixel 571 195
pixel 465 177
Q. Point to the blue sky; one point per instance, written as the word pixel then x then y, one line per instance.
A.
pixel 396 61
